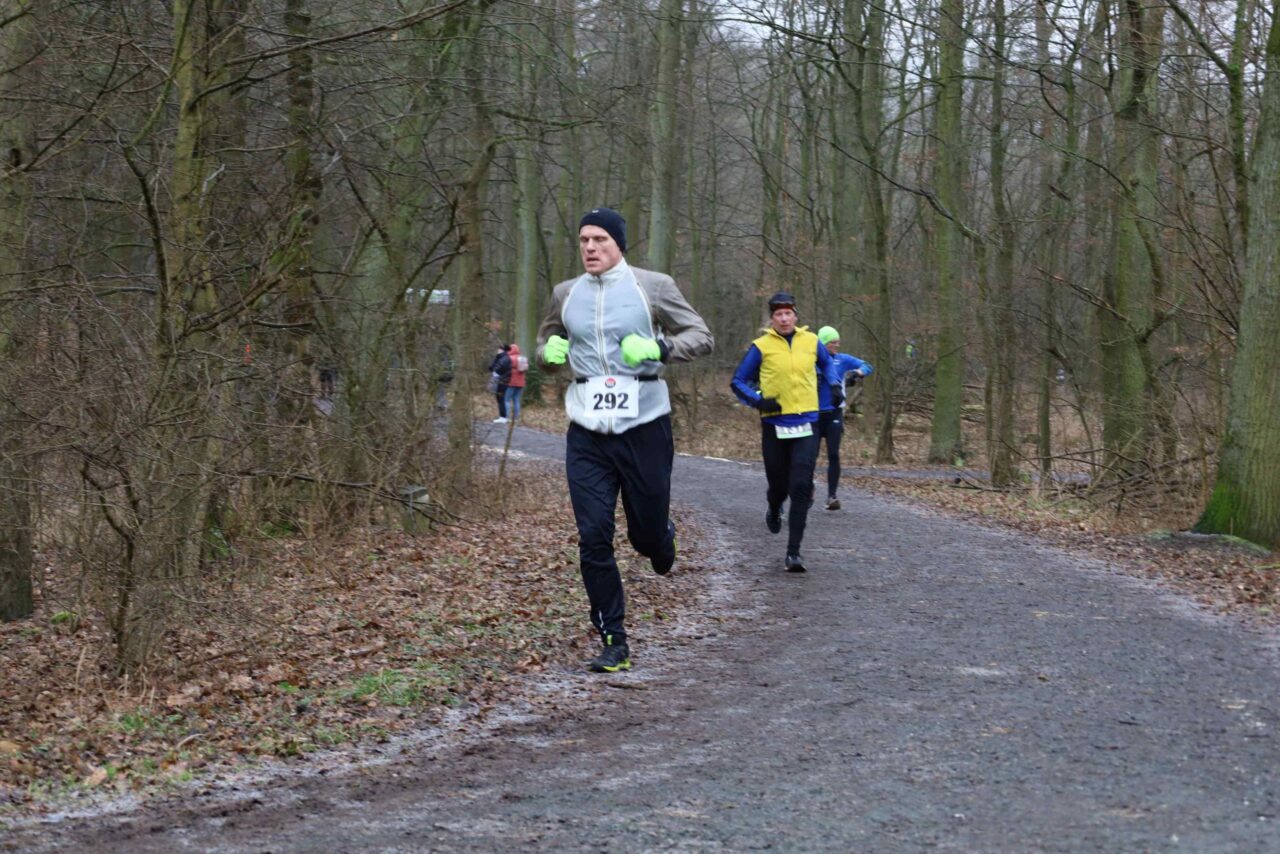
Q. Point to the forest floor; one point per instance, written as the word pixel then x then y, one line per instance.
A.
pixel 337 644
pixel 323 646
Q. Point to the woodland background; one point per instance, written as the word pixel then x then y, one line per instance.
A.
pixel 255 254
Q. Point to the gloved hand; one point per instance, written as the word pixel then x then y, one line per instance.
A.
pixel 556 350
pixel 837 395
pixel 769 405
pixel 637 349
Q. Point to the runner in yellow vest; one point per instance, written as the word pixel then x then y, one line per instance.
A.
pixel 779 375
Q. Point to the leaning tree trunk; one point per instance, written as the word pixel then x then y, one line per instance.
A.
pixel 1246 498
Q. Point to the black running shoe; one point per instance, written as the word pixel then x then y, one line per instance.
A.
pixel 795 563
pixel 833 503
pixel 614 657
pixel 773 520
pixel 663 563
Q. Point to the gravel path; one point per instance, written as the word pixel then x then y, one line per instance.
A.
pixel 928 684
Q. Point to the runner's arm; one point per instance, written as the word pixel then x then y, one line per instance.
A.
pixel 551 325
pixel 747 377
pixel 685 334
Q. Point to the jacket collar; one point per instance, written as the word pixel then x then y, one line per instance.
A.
pixel 769 330
pixel 619 272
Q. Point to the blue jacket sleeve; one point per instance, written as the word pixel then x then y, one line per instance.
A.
pixel 827 367
pixel 846 364
pixel 747 377
pixel 827 377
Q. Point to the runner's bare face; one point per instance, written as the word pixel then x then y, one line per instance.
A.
pixel 783 320
pixel 599 251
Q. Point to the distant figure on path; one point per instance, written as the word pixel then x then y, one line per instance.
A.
pixel 515 385
pixel 831 419
pixel 499 379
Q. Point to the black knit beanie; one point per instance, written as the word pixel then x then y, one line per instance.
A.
pixel 611 221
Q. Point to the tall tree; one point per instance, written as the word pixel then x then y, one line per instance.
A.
pixel 1128 316
pixel 665 147
pixel 17 143
pixel 528 190
pixel 946 443
pixel 1003 343
pixel 876 234
pixel 469 309
pixel 296 263
pixel 1246 498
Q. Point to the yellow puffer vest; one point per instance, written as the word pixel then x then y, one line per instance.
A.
pixel 788 373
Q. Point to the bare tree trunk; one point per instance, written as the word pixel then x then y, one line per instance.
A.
pixel 847 193
pixel 1128 316
pixel 664 146
pixel 1055 193
pixel 571 202
pixel 1003 471
pixel 946 443
pixel 16 482
pixel 639 52
pixel 470 307
pixel 295 258
pixel 528 196
pixel 1246 498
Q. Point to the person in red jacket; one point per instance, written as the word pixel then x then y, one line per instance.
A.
pixel 515 386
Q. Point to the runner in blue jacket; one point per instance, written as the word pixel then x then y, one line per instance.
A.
pixel 831 419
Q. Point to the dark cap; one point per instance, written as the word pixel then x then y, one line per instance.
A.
pixel 781 299
pixel 611 221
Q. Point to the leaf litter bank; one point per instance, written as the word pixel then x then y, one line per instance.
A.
pixel 372 636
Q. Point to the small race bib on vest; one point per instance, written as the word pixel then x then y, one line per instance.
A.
pixel 616 396
pixel 794 431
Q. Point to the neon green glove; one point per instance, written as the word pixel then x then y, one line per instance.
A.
pixel 556 350
pixel 637 349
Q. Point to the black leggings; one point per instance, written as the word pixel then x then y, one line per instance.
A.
pixel 788 467
pixel 599 466
pixel 831 428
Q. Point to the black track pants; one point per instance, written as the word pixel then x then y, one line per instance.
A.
pixel 598 466
pixel 788 466
pixel 831 428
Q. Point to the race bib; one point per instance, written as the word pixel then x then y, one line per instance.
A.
pixel 796 431
pixel 617 396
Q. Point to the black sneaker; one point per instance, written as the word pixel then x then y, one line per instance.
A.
pixel 833 503
pixel 663 563
pixel 795 563
pixel 614 657
pixel 773 520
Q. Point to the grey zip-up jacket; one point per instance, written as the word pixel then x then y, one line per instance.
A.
pixel 596 312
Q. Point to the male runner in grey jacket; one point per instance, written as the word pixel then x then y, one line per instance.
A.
pixel 616 326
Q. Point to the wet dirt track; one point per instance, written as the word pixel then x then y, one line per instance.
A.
pixel 928 685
